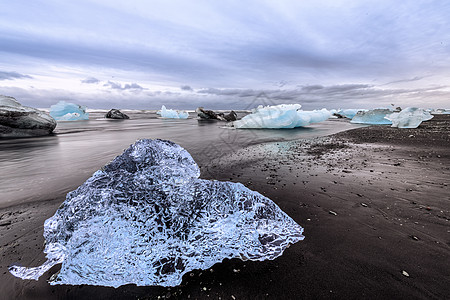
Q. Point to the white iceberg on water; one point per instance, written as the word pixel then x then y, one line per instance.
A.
pixel 172 114
pixel 410 117
pixel 147 218
pixel 281 116
pixel 441 111
pixel 65 111
pixel 373 117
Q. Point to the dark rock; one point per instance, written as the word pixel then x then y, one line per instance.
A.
pixel 232 116
pixel 22 121
pixel 116 114
pixel 211 115
pixel 339 116
pixel 206 114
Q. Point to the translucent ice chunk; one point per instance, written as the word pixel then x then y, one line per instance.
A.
pixel 172 114
pixel 146 218
pixel 374 116
pixel 349 112
pixel 65 111
pixel 281 116
pixel 410 117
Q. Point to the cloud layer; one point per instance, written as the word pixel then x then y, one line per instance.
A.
pixel 292 50
pixel 12 75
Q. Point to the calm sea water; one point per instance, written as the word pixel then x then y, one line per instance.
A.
pixel 42 168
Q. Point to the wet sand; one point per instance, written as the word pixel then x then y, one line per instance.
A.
pixel 374 202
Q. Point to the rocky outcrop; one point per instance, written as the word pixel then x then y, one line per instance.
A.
pixel 116 114
pixel 211 115
pixel 22 121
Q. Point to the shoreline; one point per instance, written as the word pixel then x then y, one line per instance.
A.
pixel 373 201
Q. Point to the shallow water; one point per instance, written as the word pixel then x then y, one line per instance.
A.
pixel 41 168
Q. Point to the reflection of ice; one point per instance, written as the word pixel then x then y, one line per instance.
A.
pixel 172 114
pixel 410 117
pixel 65 111
pixel 374 116
pixel 146 218
pixel 281 116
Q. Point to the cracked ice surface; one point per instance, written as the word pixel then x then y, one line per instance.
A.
pixel 146 218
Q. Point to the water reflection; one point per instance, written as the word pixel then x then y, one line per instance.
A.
pixel 40 168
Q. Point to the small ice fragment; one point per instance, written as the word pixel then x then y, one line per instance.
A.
pixel 65 111
pixel 172 114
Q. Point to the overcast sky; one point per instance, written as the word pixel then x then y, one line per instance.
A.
pixel 226 54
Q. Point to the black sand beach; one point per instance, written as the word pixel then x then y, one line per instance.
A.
pixel 374 202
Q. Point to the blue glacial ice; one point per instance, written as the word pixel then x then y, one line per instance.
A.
pixel 172 114
pixel 373 117
pixel 146 218
pixel 65 111
pixel 441 111
pixel 349 113
pixel 281 116
pixel 410 117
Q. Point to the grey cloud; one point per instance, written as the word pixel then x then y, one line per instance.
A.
pixel 90 80
pixel 334 96
pixel 119 86
pixel 12 75
pixel 186 88
pixel 328 97
pixel 288 94
pixel 132 86
pixel 312 88
pixel 417 78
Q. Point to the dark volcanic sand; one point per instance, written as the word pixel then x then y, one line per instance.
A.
pixel 374 202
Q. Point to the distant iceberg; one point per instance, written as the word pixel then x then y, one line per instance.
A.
pixel 147 219
pixel 373 117
pixel 65 111
pixel 348 113
pixel 172 114
pixel 281 116
pixel 441 111
pixel 410 117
